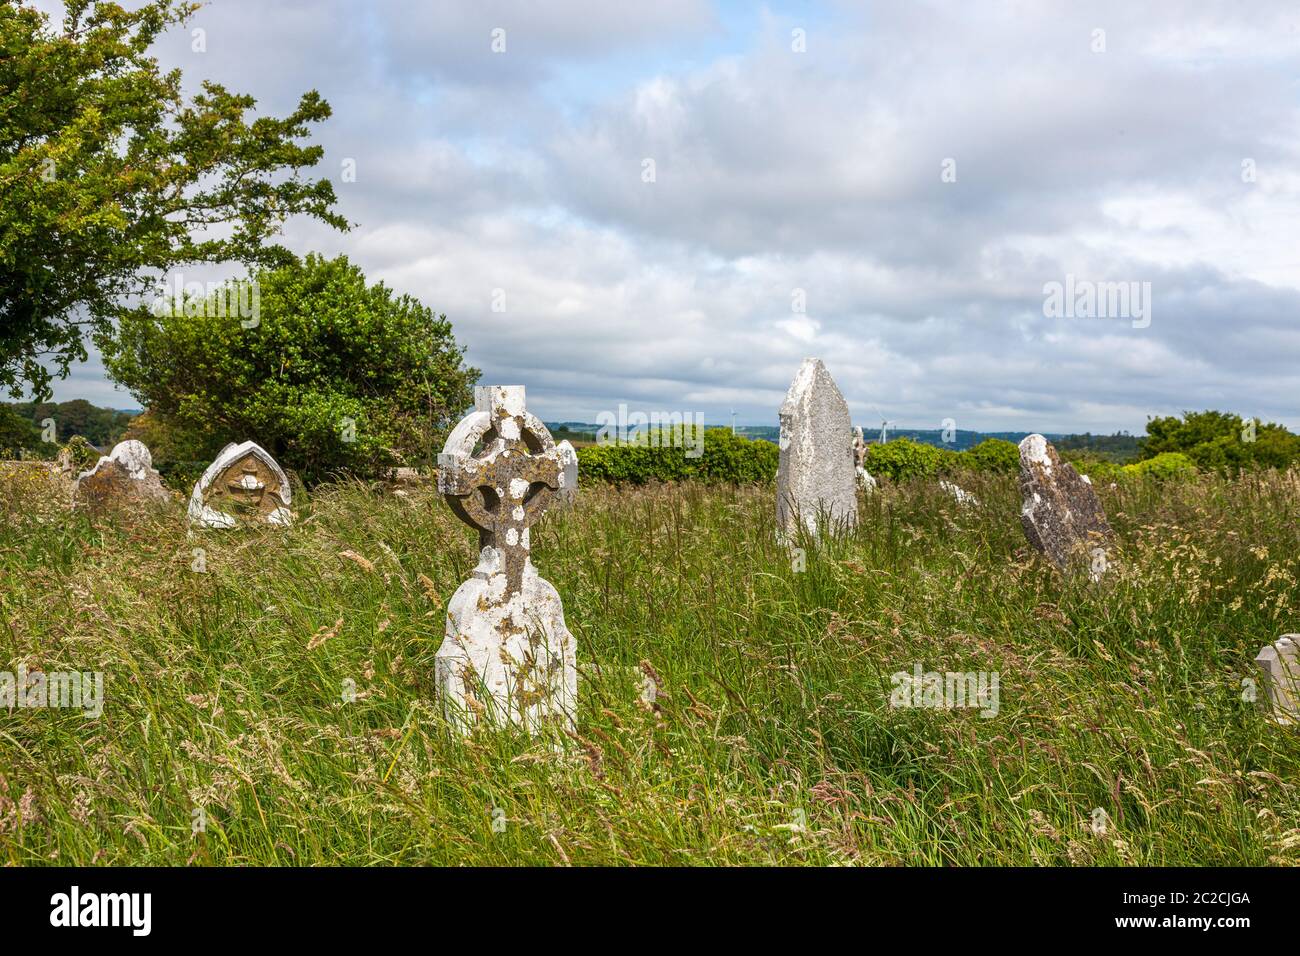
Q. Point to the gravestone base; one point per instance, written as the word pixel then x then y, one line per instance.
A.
pixel 507 660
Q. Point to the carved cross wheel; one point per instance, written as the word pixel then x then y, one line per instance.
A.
pixel 504 487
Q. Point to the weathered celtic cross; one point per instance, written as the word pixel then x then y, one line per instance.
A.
pixel 508 485
pixel 506 639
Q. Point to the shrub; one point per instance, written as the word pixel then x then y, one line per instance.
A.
pixel 903 459
pixel 1097 468
pixel 1221 442
pixel 81 454
pixel 993 455
pixel 178 456
pixel 726 458
pixel 16 433
pixel 1166 465
pixel 334 376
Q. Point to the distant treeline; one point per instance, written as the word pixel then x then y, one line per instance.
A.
pixel 1196 441
pixel 22 427
pixel 1120 447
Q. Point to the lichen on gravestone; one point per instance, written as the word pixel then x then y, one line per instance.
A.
pixel 507 657
pixel 125 477
pixel 816 475
pixel 1061 514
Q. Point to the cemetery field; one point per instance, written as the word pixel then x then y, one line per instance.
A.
pixel 268 694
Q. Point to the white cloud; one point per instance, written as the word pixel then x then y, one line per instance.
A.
pixel 818 171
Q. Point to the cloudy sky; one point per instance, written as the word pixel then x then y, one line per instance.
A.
pixel 889 186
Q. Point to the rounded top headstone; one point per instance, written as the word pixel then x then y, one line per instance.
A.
pixel 133 456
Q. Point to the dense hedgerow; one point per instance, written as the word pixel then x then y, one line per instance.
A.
pixel 903 459
pixel 724 457
pixel 731 458
pixel 993 455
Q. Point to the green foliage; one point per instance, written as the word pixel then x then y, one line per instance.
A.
pixel 993 455
pixel 110 174
pixel 903 459
pixel 179 455
pixel 81 454
pixel 333 376
pixel 1166 465
pixel 1220 441
pixel 102 427
pixel 725 458
pixel 1099 469
pixel 17 434
pixel 1119 447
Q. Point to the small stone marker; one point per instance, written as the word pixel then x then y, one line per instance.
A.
pixel 959 494
pixel 507 656
pixel 568 492
pixel 1061 513
pixel 815 477
pixel 125 476
pixel 243 486
pixel 865 478
pixel 1280 663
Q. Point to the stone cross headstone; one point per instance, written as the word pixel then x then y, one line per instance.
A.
pixel 242 486
pixel 507 656
pixel 1280 663
pixel 1060 512
pixel 815 476
pixel 125 476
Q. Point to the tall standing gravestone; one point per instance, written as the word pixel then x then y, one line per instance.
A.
pixel 243 486
pixel 816 474
pixel 125 476
pixel 507 656
pixel 1280 663
pixel 1061 513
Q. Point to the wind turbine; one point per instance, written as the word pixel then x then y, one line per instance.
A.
pixel 733 421
pixel 884 425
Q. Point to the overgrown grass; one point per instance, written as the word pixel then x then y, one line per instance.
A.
pixel 772 739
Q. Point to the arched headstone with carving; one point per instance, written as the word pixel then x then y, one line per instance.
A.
pixel 243 486
pixel 507 656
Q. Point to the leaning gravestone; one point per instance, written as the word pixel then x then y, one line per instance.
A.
pixel 815 476
pixel 243 486
pixel 1061 513
pixel 1280 663
pixel 507 656
pixel 125 476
